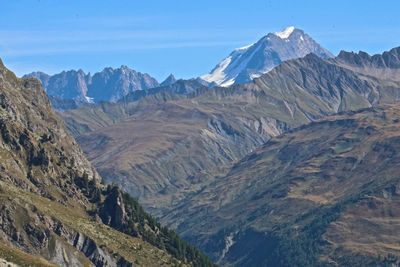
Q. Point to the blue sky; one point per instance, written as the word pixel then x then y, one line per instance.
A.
pixel 184 37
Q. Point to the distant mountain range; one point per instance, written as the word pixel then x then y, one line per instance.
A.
pixel 107 85
pixel 249 62
pixel 241 66
pixel 170 150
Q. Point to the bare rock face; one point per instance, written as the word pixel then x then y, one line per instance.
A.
pixel 41 76
pixel 169 80
pixel 38 233
pixel 107 85
pixel 113 210
pixel 112 84
pixel 95 253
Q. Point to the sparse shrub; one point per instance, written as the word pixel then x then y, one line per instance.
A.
pixel 45 138
pixel 5 133
pixel 40 159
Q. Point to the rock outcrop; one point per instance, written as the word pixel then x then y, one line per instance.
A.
pixel 112 211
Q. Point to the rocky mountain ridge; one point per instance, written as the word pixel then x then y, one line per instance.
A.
pixel 243 65
pixel 179 87
pixel 107 85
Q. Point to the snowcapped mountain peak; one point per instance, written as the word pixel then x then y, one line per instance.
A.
pixel 285 33
pixel 251 61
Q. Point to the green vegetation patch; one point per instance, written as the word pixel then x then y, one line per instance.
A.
pixel 21 258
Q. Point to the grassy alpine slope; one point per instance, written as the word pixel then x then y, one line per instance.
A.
pixel 327 193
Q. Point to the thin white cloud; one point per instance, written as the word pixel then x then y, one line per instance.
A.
pixel 108 22
pixel 21 68
pixel 37 37
pixel 109 48
pixel 29 43
pixel 355 33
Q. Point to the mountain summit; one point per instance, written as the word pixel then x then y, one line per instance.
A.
pixel 169 80
pixel 249 62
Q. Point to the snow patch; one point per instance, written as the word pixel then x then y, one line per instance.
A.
pixel 254 75
pixel 228 244
pixel 228 82
pixel 244 47
pixel 285 33
pixel 217 75
pixel 89 99
pixel 225 73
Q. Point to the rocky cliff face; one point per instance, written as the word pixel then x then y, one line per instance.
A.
pixel 169 80
pixel 41 76
pixel 50 238
pixel 112 84
pixel 51 196
pixel 107 85
pixel 112 211
pixel 67 84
